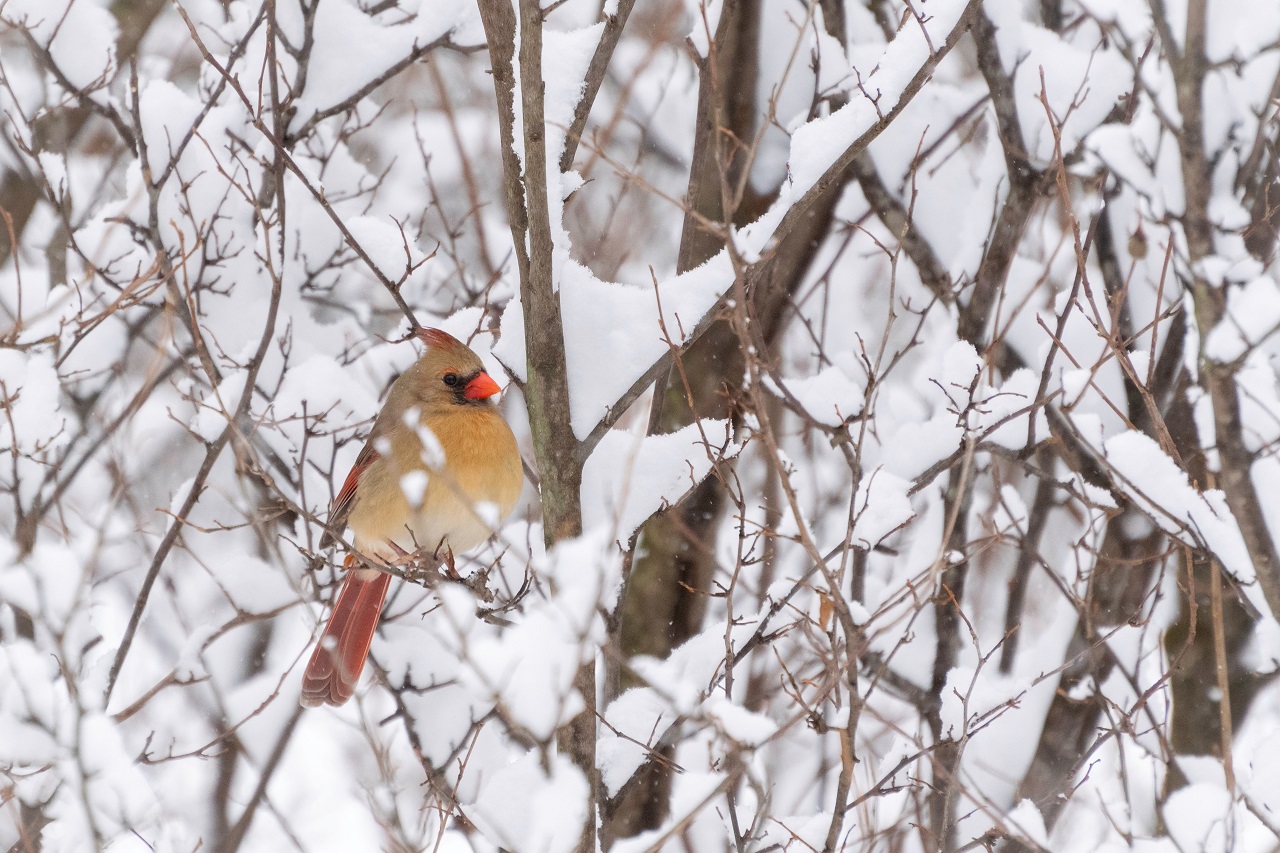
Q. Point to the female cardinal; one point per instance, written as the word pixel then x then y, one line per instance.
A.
pixel 390 513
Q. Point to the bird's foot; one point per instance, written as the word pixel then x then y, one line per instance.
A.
pixel 400 558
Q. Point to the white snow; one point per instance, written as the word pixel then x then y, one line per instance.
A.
pixel 80 36
pixel 617 332
pixel 630 477
pixel 474 674
pixel 880 508
pixel 351 48
pixel 918 446
pixel 1252 316
pixel 523 808
pixel 391 249
pixel 818 144
pixel 1201 519
pixel 29 395
pixel 831 396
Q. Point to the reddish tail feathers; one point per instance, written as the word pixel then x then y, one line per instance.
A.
pixel 339 657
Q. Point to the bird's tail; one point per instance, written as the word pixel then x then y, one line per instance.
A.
pixel 335 665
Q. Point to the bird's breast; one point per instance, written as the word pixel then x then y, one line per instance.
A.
pixel 465 498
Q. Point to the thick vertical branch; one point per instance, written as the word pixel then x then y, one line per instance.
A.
pixel 677 542
pixel 500 31
pixel 546 389
pixel 1022 188
pixel 664 602
pixel 975 317
pixel 1219 378
pixel 947 615
pixel 525 190
pixel 1258 179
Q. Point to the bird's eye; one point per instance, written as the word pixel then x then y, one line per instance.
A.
pixel 451 379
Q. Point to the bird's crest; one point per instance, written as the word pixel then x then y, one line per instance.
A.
pixel 441 340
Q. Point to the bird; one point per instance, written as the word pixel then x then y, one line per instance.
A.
pixel 390 513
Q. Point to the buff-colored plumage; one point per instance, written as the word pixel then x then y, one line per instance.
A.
pixel 388 510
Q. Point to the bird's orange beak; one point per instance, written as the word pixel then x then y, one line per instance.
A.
pixel 481 387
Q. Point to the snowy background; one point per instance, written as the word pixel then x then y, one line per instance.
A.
pixel 921 416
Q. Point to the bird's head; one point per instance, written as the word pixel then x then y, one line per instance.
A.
pixel 449 373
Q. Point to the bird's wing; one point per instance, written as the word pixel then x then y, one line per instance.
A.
pixel 341 506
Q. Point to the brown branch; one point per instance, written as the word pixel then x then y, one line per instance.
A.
pixel 82 96
pixel 211 100
pixel 1235 478
pixel 897 218
pixel 1023 179
pixel 803 210
pixel 18 190
pixel 546 388
pixel 833 175
pixel 214 451
pixel 1257 179
pixel 235 837
pixel 366 90
pixel 1028 547
pixel 596 70
pixel 317 193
